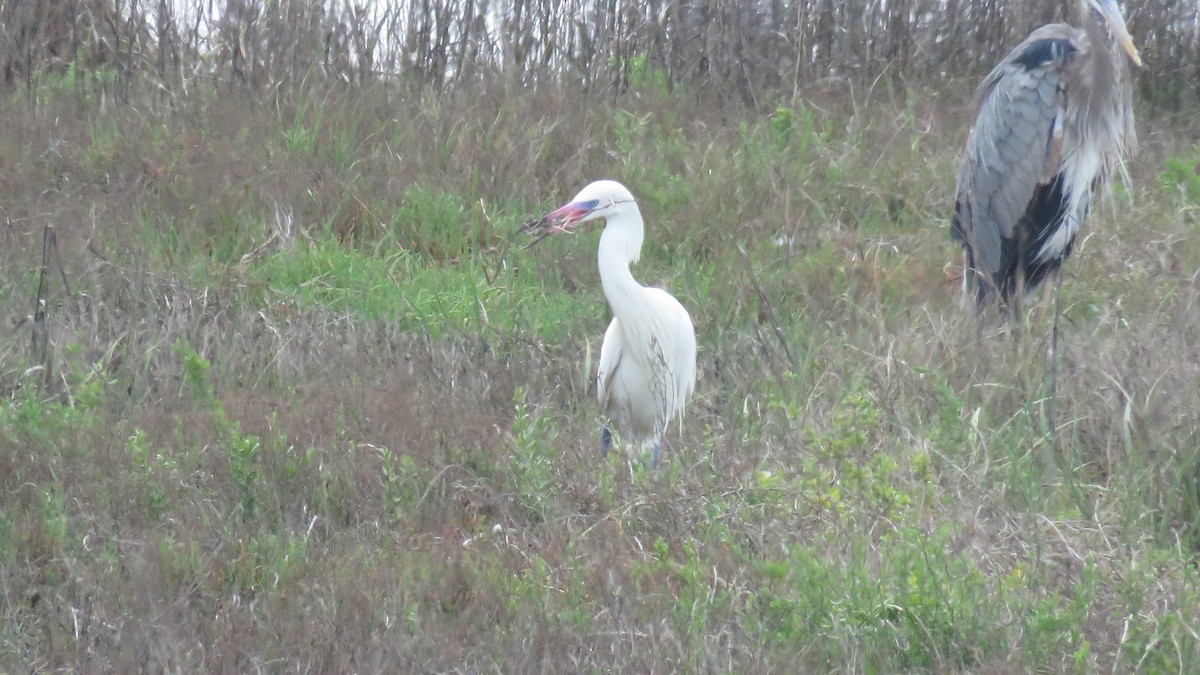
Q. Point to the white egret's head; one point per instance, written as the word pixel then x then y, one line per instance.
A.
pixel 601 199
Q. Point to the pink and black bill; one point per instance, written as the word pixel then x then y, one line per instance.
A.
pixel 562 219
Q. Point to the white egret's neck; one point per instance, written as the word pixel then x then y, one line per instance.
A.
pixel 620 246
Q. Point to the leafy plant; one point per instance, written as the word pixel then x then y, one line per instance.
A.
pixel 1182 174
pixel 531 464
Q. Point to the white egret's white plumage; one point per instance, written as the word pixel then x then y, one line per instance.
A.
pixel 647 367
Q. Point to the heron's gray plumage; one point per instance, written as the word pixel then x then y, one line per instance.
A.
pixel 1055 120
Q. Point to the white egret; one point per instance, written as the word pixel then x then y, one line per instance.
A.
pixel 647 368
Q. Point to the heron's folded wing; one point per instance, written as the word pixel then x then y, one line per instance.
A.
pixel 1013 146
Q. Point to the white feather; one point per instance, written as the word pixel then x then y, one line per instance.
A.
pixel 1081 168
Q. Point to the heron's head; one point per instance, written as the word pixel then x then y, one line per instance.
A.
pixel 1108 12
pixel 602 199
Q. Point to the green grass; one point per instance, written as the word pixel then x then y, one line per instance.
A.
pixel 413 293
pixel 312 405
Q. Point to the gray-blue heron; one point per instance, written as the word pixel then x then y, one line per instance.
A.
pixel 1055 121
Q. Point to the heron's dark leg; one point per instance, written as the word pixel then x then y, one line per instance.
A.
pixel 1018 294
pixel 1054 355
pixel 1047 290
pixel 605 440
pixel 976 284
pixel 654 454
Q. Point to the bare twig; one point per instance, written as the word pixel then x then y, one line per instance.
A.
pixel 765 303
pixel 39 339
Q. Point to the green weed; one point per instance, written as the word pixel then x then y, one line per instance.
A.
pixel 1180 174
pixel 243 451
pixel 530 466
pixel 435 223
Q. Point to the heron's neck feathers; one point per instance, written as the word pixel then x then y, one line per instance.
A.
pixel 1105 111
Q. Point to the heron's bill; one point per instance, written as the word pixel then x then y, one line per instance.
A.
pixel 1126 42
pixel 1112 15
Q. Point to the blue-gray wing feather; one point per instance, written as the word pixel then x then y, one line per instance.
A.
pixel 1012 148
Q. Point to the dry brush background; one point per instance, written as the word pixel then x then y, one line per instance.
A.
pixel 286 395
pixel 751 50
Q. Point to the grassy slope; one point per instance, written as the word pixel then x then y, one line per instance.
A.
pixel 310 409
